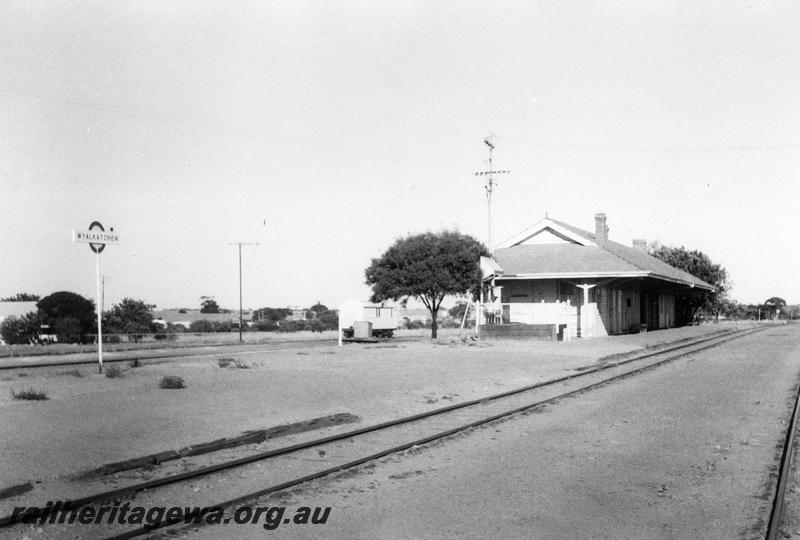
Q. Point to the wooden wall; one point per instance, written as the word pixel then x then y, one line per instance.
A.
pixel 619 309
pixel 529 291
pixel 666 310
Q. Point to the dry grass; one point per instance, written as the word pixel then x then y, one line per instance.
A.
pixel 172 382
pixel 186 339
pixel 30 394
pixel 113 372
pixel 232 362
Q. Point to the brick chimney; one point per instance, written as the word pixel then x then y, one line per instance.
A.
pixel 600 229
pixel 640 244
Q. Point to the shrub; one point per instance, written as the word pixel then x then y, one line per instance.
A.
pixel 224 362
pixel 265 326
pixel 416 324
pixel 20 330
pixel 30 394
pixel 292 326
pixel 222 326
pixel 201 326
pixel 136 331
pixel 172 381
pixel 68 330
pixel 316 326
pixel 330 319
pixel 449 322
pixel 134 363
pixel 113 338
pixel 74 373
pixel 113 372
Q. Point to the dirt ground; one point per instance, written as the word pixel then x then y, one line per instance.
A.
pixel 90 420
pixel 683 451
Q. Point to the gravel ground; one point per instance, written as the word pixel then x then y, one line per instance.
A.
pixel 91 420
pixel 683 451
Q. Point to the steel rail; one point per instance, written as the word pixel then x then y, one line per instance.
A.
pixel 144 359
pixel 301 345
pixel 440 435
pixel 112 494
pixel 784 471
pixel 717 339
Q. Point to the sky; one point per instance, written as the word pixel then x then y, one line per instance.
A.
pixel 324 131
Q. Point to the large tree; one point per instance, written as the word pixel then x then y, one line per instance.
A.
pixel 775 306
pixel 208 305
pixel 129 317
pixel 427 267
pixel 69 314
pixel 693 304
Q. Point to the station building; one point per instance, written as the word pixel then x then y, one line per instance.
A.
pixel 583 283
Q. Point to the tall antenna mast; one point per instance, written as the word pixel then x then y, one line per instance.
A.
pixel 490 183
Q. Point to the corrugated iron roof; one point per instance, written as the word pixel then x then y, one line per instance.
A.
pixel 569 258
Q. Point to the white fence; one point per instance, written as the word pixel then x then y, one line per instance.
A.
pixel 530 313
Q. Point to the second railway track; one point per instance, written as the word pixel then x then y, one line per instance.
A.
pixel 230 482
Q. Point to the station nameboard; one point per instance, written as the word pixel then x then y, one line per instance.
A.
pixel 96 236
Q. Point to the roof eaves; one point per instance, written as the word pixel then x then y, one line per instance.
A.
pixel 572 275
pixel 587 275
pixel 695 283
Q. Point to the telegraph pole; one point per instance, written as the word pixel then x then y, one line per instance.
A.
pixel 240 244
pixel 489 186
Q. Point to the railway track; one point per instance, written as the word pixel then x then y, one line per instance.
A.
pixel 279 469
pixel 784 474
pixel 143 356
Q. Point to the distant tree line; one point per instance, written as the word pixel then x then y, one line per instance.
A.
pixel 68 317
pixel 771 309
pixel 318 318
pixel 692 307
pixel 21 297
